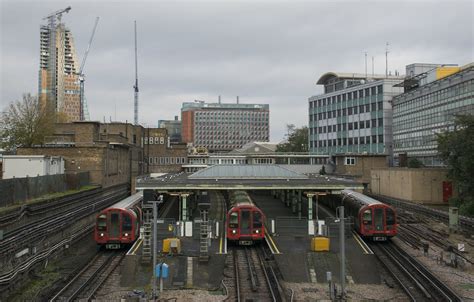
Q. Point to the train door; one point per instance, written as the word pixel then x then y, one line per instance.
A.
pixel 244 222
pixel 378 219
pixel 114 225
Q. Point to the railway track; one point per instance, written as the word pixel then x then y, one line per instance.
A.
pixel 253 277
pixel 414 278
pixel 412 234
pixel 28 236
pixel 465 223
pixel 88 281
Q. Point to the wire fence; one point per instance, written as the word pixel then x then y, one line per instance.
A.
pixel 16 190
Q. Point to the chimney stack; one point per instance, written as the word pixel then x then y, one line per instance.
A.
pixel 219 99
pixel 237 99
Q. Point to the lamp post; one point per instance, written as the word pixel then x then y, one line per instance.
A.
pixel 343 247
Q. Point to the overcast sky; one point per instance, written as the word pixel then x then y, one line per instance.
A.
pixel 263 51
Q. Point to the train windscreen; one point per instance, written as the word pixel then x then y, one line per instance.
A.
pixel 234 220
pixel 257 219
pixel 245 222
pixel 390 217
pixel 126 222
pixel 378 219
pixel 114 225
pixel 367 217
pixel 102 222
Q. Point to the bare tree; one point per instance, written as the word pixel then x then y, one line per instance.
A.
pixel 25 123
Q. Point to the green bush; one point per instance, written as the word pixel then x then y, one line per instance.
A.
pixel 414 163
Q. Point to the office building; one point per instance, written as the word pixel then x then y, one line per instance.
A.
pixel 353 115
pixel 434 95
pixel 224 127
pixel 59 87
pixel 173 127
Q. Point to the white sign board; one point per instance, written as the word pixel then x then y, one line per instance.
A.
pixel 461 247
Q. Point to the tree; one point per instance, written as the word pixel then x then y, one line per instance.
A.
pixel 414 163
pixel 25 123
pixel 296 140
pixel 456 149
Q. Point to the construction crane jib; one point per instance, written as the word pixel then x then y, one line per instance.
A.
pixel 81 69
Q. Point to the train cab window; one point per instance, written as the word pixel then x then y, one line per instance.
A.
pixel 367 217
pixel 257 220
pixel 389 216
pixel 234 220
pixel 126 222
pixel 378 219
pixel 102 222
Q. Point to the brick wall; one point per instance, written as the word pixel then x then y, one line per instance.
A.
pixel 108 165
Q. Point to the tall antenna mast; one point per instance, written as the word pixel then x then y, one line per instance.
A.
pixel 366 65
pixel 386 60
pixel 373 66
pixel 135 87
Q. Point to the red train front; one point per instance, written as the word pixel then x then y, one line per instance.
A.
pixel 119 225
pixel 245 221
pixel 372 218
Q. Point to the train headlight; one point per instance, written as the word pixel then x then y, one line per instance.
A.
pixel 257 231
pixel 234 231
pixel 101 234
pixel 126 234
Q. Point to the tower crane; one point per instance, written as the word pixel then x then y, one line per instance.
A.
pixel 81 69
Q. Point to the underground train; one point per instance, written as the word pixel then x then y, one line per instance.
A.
pixel 119 225
pixel 372 218
pixel 245 221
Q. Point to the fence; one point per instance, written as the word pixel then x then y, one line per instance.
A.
pixel 16 190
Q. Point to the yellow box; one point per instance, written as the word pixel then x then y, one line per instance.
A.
pixel 320 244
pixel 171 245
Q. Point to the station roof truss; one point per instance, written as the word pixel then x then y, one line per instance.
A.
pixel 245 177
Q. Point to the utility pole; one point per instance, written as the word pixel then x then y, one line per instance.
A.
pixel 366 65
pixel 343 251
pixel 135 87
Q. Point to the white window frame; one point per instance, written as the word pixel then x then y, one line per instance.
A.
pixel 349 161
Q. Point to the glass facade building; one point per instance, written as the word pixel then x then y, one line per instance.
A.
pixel 428 108
pixel 354 115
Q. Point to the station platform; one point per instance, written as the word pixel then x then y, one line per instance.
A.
pixel 296 261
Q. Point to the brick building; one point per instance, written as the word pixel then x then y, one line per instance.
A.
pixel 162 156
pixel 112 153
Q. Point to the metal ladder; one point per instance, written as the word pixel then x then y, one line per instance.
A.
pixel 147 234
pixel 204 241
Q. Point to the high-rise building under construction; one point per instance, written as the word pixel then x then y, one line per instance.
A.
pixel 59 86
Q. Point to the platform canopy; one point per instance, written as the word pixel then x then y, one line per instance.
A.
pixel 245 177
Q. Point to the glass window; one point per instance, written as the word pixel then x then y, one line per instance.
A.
pixel 102 222
pixel 367 217
pixel 355 109
pixel 367 124
pixel 257 219
pixel 389 216
pixel 126 222
pixel 234 220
